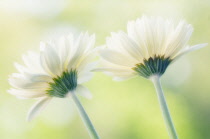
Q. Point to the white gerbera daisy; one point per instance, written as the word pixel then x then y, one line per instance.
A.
pixel 57 71
pixel 148 48
pixel 150 45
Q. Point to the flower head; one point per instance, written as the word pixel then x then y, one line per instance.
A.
pixel 59 69
pixel 147 49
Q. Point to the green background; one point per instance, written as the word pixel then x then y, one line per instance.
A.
pixel 119 110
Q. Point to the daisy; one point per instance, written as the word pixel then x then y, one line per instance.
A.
pixel 59 70
pixel 150 45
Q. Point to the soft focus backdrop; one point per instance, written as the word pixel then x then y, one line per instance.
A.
pixel 119 110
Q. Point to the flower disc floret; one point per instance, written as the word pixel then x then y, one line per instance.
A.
pixel 156 65
pixel 63 84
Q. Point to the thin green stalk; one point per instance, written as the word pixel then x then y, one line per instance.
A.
pixel 163 105
pixel 85 117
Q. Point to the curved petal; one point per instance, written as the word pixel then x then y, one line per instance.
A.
pixel 26 94
pixel 179 39
pixel 37 108
pixel 190 49
pixel 86 73
pixel 84 77
pixel 83 43
pixel 116 58
pixel 123 78
pixel 20 68
pixel 110 69
pixel 50 60
pixel 88 58
pixel 115 70
pixel 65 44
pixel 23 83
pixel 37 77
pixel 130 46
pixel 32 62
pixel 83 91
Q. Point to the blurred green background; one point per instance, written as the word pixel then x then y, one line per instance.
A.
pixel 119 110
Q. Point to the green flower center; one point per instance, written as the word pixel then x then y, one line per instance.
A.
pixel 63 84
pixel 156 65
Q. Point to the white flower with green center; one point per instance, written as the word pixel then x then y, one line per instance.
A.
pixel 150 45
pixel 57 71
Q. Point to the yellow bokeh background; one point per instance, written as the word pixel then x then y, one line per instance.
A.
pixel 119 110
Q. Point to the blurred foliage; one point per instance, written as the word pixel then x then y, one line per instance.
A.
pixel 119 110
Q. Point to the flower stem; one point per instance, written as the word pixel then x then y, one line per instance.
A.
pixel 163 105
pixel 85 117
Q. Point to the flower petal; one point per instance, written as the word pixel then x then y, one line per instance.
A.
pixel 83 91
pixel 88 58
pixel 84 77
pixel 179 38
pixel 85 74
pixel 32 62
pixel 37 108
pixel 116 58
pixel 26 94
pixel 82 45
pixel 65 44
pixel 110 69
pixel 37 77
pixel 130 46
pixel 20 68
pixel 50 60
pixel 19 81
pixel 123 78
pixel 190 49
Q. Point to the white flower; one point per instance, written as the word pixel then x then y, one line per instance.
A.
pixel 148 47
pixel 59 69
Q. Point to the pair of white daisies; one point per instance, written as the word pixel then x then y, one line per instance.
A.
pixel 63 65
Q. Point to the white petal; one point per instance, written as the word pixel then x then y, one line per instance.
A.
pixel 85 74
pixel 50 60
pixel 130 46
pixel 83 91
pixel 84 77
pixel 88 67
pixel 123 78
pixel 37 77
pixel 110 69
pixel 121 43
pixel 190 49
pixel 24 83
pixel 32 61
pixel 65 49
pixel 131 29
pixel 114 70
pixel 82 46
pixel 20 68
pixel 38 107
pixel 88 58
pixel 179 39
pixel 117 58
pixel 91 42
pixel 26 94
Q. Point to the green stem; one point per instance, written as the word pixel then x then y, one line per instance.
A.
pixel 163 105
pixel 85 117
